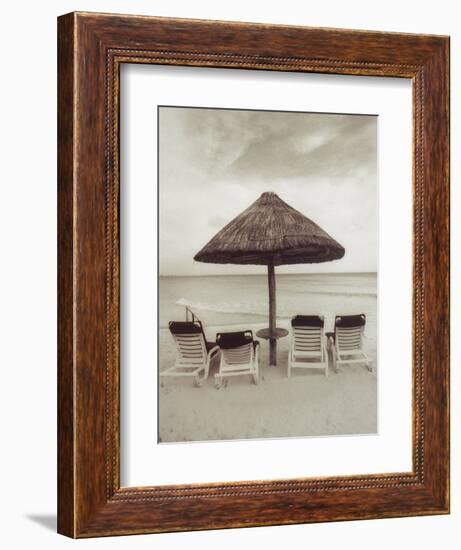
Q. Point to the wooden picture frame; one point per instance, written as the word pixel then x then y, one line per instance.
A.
pixel 91 49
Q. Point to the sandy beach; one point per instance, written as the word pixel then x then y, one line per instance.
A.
pixel 307 404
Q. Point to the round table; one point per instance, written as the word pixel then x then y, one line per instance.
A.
pixel 266 334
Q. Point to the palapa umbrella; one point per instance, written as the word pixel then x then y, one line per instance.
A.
pixel 270 232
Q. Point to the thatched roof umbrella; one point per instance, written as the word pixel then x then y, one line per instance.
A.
pixel 270 232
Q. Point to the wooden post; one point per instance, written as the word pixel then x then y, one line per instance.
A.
pixel 272 314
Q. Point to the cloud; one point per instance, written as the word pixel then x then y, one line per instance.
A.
pixel 258 144
pixel 214 163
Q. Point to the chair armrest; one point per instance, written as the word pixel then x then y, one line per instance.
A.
pixel 213 350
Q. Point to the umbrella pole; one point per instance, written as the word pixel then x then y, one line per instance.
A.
pixel 272 314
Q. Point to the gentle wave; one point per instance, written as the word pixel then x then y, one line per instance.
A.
pixel 257 308
pixel 236 308
pixel 337 293
pixel 244 307
pixel 228 326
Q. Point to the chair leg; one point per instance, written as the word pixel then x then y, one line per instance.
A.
pixel 331 352
pixel 336 361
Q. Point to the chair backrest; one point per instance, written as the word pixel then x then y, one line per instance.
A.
pixel 349 331
pixel 236 347
pixel 190 341
pixel 307 333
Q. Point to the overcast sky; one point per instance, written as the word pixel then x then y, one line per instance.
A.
pixel 214 163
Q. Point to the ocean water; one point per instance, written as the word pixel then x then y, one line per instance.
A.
pixel 224 301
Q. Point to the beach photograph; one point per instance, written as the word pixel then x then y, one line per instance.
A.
pixel 267 274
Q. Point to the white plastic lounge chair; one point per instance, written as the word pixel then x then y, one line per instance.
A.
pixel 239 355
pixel 308 344
pixel 194 353
pixel 346 342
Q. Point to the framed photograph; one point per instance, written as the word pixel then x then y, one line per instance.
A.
pixel 253 275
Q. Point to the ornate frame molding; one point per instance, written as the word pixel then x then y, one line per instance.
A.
pixel 91 49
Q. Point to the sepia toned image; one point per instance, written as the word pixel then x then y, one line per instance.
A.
pixel 268 255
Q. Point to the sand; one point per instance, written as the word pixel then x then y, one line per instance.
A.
pixel 307 404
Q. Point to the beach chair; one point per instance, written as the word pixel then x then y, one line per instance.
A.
pixel 308 344
pixel 239 355
pixel 193 352
pixel 346 343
